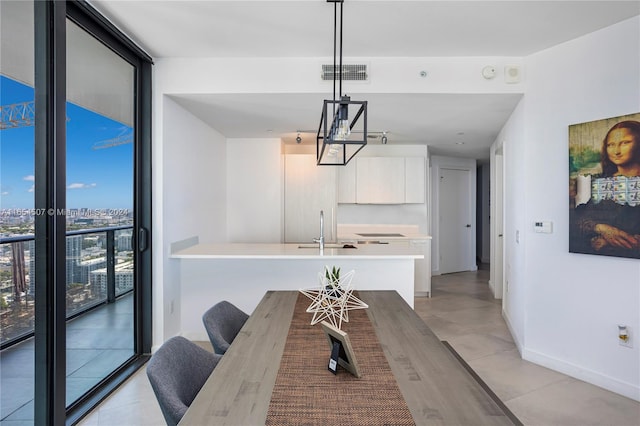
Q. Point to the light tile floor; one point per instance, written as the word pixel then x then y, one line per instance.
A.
pixel 463 312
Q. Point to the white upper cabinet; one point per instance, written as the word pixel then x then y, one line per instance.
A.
pixel 415 178
pixel 308 188
pixel 380 180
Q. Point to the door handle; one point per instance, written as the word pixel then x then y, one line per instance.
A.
pixel 142 239
pixel 468 225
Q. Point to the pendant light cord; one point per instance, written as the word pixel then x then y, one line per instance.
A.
pixel 335 47
pixel 335 38
pixel 340 92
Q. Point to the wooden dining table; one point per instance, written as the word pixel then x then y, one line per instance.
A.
pixel 434 384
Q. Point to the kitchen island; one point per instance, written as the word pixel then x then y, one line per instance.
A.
pixel 242 273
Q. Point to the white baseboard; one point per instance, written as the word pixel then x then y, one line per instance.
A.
pixel 514 335
pixel 609 383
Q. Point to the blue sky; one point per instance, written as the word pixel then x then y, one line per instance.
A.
pixel 96 178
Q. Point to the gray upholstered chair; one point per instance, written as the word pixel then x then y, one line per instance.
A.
pixel 223 321
pixel 177 371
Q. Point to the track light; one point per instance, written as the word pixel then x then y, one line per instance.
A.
pixel 384 138
pixel 298 139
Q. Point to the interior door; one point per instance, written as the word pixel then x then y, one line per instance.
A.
pixel 455 220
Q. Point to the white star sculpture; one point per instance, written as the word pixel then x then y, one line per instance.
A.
pixel 333 301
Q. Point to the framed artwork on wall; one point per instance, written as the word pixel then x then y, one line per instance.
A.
pixel 604 187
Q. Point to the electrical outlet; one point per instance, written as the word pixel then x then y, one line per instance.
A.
pixel 624 336
pixel 171 308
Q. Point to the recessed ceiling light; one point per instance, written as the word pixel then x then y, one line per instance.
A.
pixel 459 143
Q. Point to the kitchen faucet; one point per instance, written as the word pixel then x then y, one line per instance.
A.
pixel 321 239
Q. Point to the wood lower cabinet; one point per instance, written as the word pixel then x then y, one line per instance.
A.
pixel 422 267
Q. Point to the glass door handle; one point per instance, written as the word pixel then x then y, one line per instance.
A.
pixel 142 239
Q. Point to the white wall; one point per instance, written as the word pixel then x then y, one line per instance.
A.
pixel 300 75
pixel 193 202
pixel 254 190
pixel 564 307
pixel 511 142
pixel 438 163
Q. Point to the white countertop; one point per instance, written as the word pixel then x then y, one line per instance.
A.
pixel 292 251
pixel 405 236
pixel 351 232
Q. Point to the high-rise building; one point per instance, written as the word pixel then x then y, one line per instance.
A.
pixel 31 247
pixel 86 267
pixel 74 255
pixel 18 270
pixel 123 241
pixel 123 279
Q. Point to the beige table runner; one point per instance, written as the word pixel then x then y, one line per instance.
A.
pixel 307 393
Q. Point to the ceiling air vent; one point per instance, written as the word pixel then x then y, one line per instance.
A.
pixel 351 72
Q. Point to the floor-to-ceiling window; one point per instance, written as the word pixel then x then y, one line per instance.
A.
pixel 75 210
pixel 100 87
pixel 17 246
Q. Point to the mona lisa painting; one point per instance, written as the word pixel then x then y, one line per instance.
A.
pixel 604 187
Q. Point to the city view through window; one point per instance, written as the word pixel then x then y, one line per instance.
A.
pixel 99 210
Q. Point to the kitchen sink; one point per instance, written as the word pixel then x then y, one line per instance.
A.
pixel 380 234
pixel 316 246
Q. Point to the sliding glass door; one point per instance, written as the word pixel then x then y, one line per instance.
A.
pixel 75 210
pixel 100 267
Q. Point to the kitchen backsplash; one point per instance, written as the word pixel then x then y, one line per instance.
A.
pixel 408 214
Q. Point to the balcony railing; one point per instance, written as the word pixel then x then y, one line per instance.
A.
pixel 99 269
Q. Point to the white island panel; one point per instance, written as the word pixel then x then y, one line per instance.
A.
pixel 292 251
pixel 242 273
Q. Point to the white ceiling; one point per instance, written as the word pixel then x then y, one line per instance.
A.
pixel 304 28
